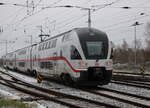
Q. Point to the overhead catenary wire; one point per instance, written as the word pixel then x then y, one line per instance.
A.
pixel 109 4
pixel 96 10
pixel 85 15
pixel 125 21
pixel 56 3
pixel 76 19
pixel 19 22
pixel 27 16
pixel 11 16
pixel 121 15
pixel 110 7
pixel 37 12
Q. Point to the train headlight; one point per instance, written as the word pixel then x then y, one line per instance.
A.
pixel 109 63
pixel 82 63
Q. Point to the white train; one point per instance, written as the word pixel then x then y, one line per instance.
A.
pixel 81 56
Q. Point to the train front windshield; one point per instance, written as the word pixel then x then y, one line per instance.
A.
pixel 94 49
pixel 94 46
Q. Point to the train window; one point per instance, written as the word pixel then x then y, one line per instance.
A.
pixel 49 65
pixel 22 64
pixel 45 46
pixel 41 65
pixel 74 53
pixel 95 49
pixel 46 65
pixel 52 46
pixel 49 45
pixel 54 43
pixel 39 47
pixel 10 63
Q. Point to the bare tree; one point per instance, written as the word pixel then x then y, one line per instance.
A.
pixel 125 45
pixel 121 53
pixel 140 52
pixel 147 40
pixel 147 36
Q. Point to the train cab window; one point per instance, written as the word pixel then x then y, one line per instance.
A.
pixel 95 49
pixel 74 53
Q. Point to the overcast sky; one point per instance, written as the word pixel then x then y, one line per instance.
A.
pixel 19 22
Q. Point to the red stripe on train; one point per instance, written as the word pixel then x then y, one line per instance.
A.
pixel 51 58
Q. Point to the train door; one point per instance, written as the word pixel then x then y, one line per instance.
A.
pixel 66 54
pixel 55 63
pixel 66 51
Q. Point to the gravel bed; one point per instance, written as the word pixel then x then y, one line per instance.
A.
pixel 129 89
pixel 75 92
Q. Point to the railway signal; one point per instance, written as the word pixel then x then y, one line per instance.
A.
pixel 142 70
pixel 39 78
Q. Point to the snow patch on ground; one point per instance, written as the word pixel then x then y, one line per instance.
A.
pixel 9 95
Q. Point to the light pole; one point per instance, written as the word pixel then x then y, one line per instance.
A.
pixel 89 17
pixel 135 42
pixel 83 8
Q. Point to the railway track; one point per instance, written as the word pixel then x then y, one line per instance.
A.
pixel 125 93
pixel 131 76
pixel 128 83
pixel 138 82
pixel 129 73
pixel 121 96
pixel 131 80
pixel 58 97
pixel 124 97
pixel 135 82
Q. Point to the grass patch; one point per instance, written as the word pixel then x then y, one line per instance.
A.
pixel 6 103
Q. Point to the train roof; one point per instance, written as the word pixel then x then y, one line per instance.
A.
pixel 88 33
pixel 79 31
pixel 91 31
pixel 83 30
